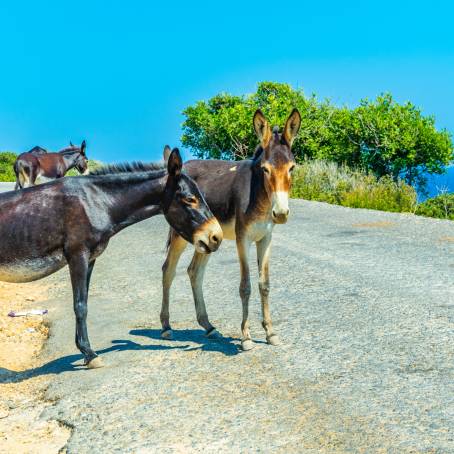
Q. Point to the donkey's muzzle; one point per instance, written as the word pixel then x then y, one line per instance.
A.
pixel 279 207
pixel 280 217
pixel 208 237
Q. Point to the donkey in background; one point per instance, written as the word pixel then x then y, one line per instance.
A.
pixel 248 198
pixel 39 163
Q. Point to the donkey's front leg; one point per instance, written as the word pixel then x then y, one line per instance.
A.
pixel 243 246
pixel 177 245
pixel 263 259
pixel 196 271
pixel 80 270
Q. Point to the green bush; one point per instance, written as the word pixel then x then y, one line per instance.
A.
pixel 441 206
pixel 7 160
pixel 326 181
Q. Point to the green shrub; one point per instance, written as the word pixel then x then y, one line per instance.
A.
pixel 338 184
pixel 7 160
pixel 92 165
pixel 441 206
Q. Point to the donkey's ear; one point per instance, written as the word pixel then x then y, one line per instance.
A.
pixel 166 153
pixel 292 126
pixel 262 128
pixel 175 163
pixel 83 146
pixel 70 143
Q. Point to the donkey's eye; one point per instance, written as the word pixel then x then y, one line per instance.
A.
pixel 190 200
pixel 292 168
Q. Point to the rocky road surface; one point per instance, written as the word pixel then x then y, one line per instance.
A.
pixel 363 302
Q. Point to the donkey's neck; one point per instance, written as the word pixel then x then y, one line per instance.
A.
pixel 259 199
pixel 70 160
pixel 132 198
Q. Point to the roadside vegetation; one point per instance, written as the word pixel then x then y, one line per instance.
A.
pixel 441 206
pixel 7 159
pixel 329 182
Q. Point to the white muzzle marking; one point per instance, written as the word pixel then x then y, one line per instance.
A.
pixel 279 206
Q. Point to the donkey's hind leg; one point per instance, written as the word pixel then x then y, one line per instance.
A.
pixel 80 270
pixel 263 259
pixel 176 246
pixel 196 271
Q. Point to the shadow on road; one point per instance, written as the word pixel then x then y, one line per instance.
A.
pixel 223 345
pixel 66 363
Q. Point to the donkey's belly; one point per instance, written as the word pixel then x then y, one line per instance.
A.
pixel 255 231
pixel 228 230
pixel 31 269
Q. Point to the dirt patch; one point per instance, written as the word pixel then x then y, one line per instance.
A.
pixel 21 404
pixel 447 239
pixel 377 224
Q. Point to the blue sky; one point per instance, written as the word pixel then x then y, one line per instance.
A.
pixel 119 74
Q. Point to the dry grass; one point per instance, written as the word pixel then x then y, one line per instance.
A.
pixel 326 181
pixel 378 224
pixel 447 239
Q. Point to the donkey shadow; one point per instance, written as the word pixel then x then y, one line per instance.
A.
pixel 222 345
pixel 74 363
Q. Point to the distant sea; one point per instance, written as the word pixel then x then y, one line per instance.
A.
pixel 436 183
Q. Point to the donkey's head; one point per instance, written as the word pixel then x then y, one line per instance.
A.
pixel 277 161
pixel 81 161
pixel 186 210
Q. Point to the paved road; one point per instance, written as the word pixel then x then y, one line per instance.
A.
pixel 363 302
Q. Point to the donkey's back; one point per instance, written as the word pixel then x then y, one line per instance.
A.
pixel 225 185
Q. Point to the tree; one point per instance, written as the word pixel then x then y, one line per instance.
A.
pixel 396 139
pixel 382 136
pixel 221 128
pixel 7 160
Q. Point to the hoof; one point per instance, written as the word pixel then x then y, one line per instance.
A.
pixel 273 339
pixel 247 345
pixel 95 363
pixel 167 334
pixel 213 334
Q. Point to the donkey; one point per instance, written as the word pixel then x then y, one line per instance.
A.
pixel 48 166
pixel 79 215
pixel 247 198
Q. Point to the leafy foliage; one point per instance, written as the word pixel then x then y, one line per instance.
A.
pixel 382 136
pixel 7 160
pixel 338 184
pixel 441 206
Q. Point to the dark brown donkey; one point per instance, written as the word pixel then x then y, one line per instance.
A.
pixel 79 215
pixel 37 163
pixel 247 198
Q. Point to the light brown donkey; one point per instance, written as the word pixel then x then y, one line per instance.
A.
pixel 248 198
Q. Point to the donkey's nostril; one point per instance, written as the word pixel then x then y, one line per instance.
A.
pixel 288 211
pixel 214 239
pixel 274 214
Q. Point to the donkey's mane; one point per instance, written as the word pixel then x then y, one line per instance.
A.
pixel 129 167
pixel 69 150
